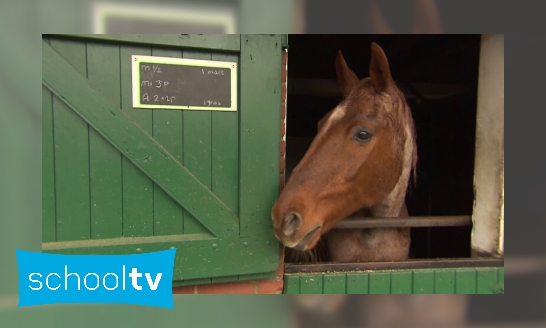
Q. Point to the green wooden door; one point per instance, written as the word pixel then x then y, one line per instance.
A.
pixel 120 180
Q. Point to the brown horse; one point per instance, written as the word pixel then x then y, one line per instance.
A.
pixel 359 163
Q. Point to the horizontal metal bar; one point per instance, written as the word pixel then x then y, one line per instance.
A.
pixel 412 221
pixel 410 264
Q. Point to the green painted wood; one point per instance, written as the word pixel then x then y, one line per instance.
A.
pixel 311 284
pixel 500 279
pixel 401 282
pixel 167 130
pixel 208 41
pixel 103 69
pixel 358 283
pixel 253 276
pixel 225 150
pixel 284 40
pixel 380 283
pixel 197 146
pixel 219 280
pixel 48 168
pixel 192 282
pixel 486 280
pixel 423 282
pixel 197 256
pixel 268 275
pixel 410 281
pixel 444 281
pixel 71 137
pixel 291 284
pixel 260 141
pixel 214 280
pixel 134 143
pixel 100 93
pixel 335 284
pixel 138 189
pixel 465 281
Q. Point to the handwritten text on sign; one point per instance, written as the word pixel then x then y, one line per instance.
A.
pixel 184 84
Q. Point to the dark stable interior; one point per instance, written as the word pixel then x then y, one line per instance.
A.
pixel 439 75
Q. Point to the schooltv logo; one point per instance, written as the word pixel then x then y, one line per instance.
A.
pixel 143 279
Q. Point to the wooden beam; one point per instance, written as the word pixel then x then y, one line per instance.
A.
pixel 189 41
pixel 409 264
pixel 488 216
pixel 197 256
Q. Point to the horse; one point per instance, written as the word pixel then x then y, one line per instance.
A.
pixel 358 164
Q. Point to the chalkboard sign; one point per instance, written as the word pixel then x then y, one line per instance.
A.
pixel 179 83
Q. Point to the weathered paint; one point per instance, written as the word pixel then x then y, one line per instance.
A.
pixel 488 219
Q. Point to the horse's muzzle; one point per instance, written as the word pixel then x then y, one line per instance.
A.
pixel 302 245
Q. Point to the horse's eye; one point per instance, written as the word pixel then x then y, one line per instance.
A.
pixel 362 135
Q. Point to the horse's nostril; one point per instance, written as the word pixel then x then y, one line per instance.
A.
pixel 291 224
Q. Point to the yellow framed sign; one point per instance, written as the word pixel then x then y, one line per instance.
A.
pixel 186 84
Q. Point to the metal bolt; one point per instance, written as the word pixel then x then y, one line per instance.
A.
pixel 214 246
pixel 138 250
pixel 245 244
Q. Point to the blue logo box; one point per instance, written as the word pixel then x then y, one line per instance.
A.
pixel 143 279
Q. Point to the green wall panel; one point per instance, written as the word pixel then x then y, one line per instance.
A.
pixel 407 281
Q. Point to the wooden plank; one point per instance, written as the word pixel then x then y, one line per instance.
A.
pixel 444 282
pixel 465 281
pixel 197 256
pixel 311 284
pixel 138 189
pixel 358 283
pixel 335 283
pixel 225 150
pixel 423 282
pixel 103 71
pixel 284 40
pixel 291 284
pixel 191 282
pixel 167 130
pixel 380 283
pixel 401 282
pixel 486 280
pixel 487 214
pixel 134 143
pixel 395 265
pixel 500 279
pixel 197 146
pixel 71 137
pixel 254 276
pixel 195 41
pixel 48 168
pixel 260 136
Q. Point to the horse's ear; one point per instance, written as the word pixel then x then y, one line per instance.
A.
pixel 346 78
pixel 379 69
